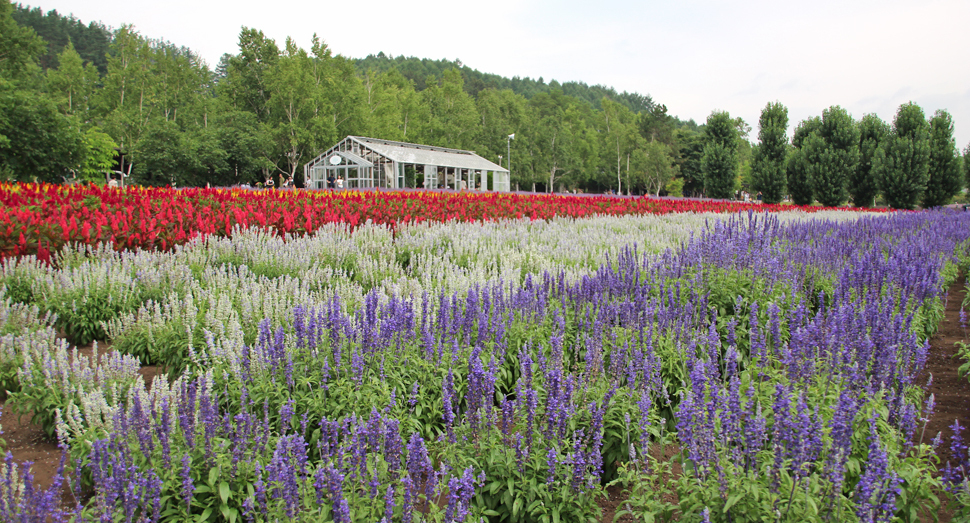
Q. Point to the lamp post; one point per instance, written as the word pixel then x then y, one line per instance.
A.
pixel 509 145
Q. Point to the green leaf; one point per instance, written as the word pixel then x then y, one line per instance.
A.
pixel 204 515
pixel 224 492
pixel 731 501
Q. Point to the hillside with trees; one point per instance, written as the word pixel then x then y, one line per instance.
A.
pixel 74 95
pixel 91 41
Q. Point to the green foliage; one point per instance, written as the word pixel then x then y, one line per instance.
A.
pixel 902 162
pixel 768 167
pixel 36 141
pixel 502 112
pixel 557 148
pixel 966 164
pixel 524 495
pixel 657 125
pixel 420 70
pixel 19 46
pixel 690 154
pixel 800 183
pixel 719 162
pixel 651 167
pixel 719 165
pixel 170 156
pixel 862 184
pixel 452 112
pixel 832 150
pixel 73 83
pixel 99 154
pixel 61 32
pixel 944 177
pixel 675 187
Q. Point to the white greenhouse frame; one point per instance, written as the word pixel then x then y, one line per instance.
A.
pixel 369 162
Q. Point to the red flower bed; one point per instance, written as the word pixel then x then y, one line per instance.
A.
pixel 40 218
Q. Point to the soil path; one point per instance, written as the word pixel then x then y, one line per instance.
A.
pixel 27 441
pixel 950 390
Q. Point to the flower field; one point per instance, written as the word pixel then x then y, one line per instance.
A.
pixel 432 365
pixel 40 218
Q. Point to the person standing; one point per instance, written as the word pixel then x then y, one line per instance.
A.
pixel 340 182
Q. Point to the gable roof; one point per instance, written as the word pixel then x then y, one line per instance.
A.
pixel 403 152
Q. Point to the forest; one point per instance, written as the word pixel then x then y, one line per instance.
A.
pixel 78 100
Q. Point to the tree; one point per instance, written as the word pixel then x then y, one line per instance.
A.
pixel 452 112
pixel 618 123
pixel 652 166
pixel 799 168
pixel 37 142
pixel 19 46
pixel 656 124
pixel 863 185
pixel 966 163
pixel 99 155
pixel 73 83
pixel 247 147
pixel 383 112
pixel 91 41
pixel 691 150
pixel 945 179
pixel 719 162
pixel 125 101
pixel 902 162
pixel 501 113
pixel 558 135
pixel 245 87
pixel 768 169
pixel 301 117
pixel 832 152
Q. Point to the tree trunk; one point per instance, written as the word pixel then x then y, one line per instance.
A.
pixel 552 178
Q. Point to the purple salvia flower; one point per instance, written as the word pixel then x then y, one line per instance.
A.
pixel 188 486
pixel 551 464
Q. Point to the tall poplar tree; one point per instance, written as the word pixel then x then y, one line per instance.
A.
pixel 719 162
pixel 832 152
pixel 945 179
pixel 768 168
pixel 902 163
pixel 966 164
pixel 799 169
pixel 863 185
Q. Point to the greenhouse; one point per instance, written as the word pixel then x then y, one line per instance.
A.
pixel 368 162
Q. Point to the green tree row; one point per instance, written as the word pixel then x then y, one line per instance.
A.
pixel 268 109
pixel 833 159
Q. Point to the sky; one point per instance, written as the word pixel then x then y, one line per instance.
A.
pixel 694 56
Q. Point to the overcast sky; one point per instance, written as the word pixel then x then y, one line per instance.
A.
pixel 868 56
